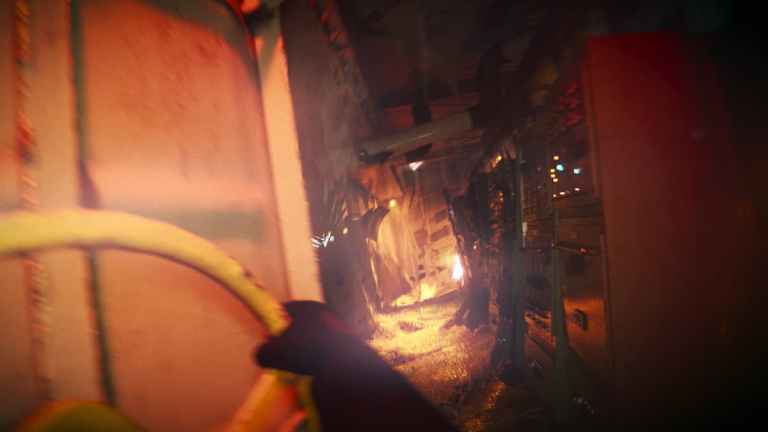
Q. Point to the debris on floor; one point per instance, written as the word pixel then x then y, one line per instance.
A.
pixel 452 367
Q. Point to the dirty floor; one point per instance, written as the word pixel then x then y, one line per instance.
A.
pixel 452 367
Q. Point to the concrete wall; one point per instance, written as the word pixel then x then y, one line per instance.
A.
pixel 328 95
pixel 332 112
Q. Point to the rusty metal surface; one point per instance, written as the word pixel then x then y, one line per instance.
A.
pixel 26 152
pixel 37 169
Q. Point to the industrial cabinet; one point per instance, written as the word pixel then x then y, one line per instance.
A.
pixel 630 193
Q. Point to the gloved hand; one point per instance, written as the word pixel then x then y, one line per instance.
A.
pixel 353 388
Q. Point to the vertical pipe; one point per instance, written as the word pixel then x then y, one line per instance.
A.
pixel 285 161
pixel 106 375
pixel 518 322
pixel 560 382
pixel 89 199
pixel 290 195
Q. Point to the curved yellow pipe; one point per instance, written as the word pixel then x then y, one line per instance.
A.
pixel 25 232
pixel 22 232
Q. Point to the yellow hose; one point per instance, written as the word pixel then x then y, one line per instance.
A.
pixel 25 232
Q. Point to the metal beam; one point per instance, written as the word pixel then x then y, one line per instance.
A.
pixel 418 136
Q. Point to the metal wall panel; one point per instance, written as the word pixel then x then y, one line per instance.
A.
pixel 670 180
pixel 173 130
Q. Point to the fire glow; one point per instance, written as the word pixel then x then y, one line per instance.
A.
pixel 427 291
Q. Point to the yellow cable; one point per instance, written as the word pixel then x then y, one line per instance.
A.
pixel 24 231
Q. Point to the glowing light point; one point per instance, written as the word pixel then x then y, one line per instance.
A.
pixel 458 270
pixel 427 291
pixel 555 180
pixel 392 203
pixel 345 231
pixel 551 170
pixel 577 189
pixel 562 193
pixel 415 165
pixel 556 158
pixel 577 171
pixel 560 167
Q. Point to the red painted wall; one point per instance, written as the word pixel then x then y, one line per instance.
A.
pixel 678 220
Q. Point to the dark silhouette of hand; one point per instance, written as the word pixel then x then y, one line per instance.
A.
pixel 353 388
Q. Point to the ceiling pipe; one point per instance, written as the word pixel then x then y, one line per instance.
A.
pixel 427 133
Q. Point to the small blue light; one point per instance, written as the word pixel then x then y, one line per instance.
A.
pixel 560 167
pixel 577 171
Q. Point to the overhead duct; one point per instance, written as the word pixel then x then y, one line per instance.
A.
pixel 423 134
